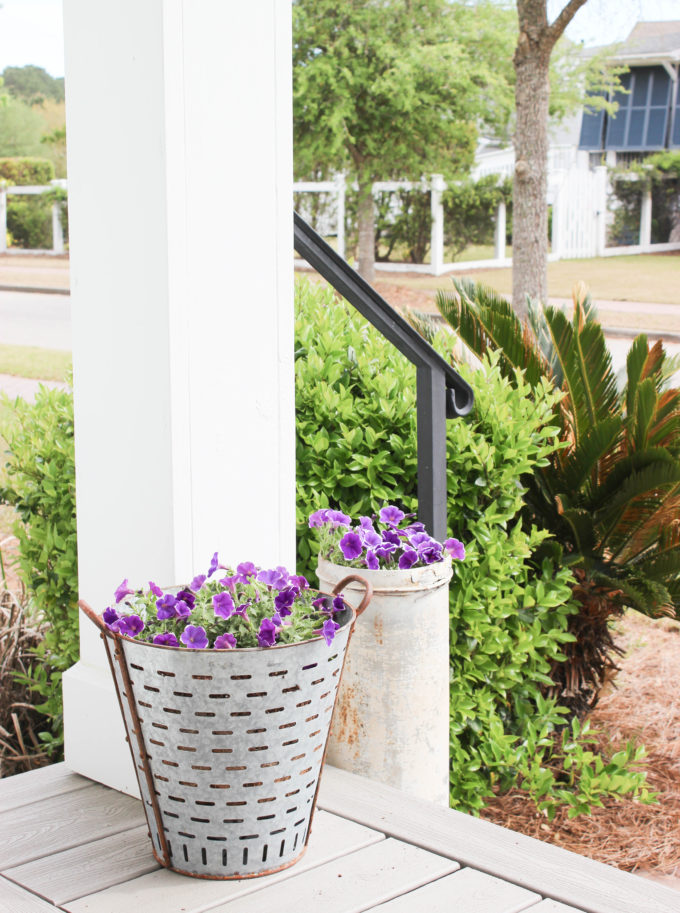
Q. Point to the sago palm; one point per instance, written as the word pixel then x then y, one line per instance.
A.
pixel 611 495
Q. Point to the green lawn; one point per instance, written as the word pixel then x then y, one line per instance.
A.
pixel 648 278
pixel 28 361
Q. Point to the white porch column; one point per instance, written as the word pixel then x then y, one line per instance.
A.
pixel 182 309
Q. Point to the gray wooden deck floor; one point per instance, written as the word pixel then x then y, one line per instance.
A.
pixel 69 843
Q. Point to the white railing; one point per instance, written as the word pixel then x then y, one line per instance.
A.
pixel 58 246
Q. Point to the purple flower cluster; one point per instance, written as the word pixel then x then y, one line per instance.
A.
pixel 381 542
pixel 248 607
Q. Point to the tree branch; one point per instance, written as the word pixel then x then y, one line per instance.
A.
pixel 564 18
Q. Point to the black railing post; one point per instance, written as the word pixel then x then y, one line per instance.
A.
pixel 431 419
pixel 441 391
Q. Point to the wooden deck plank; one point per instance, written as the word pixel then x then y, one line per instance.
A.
pixel 553 872
pixel 468 890
pixel 351 884
pixel 88 868
pixel 553 906
pixel 14 899
pixel 22 789
pixel 163 891
pixel 61 822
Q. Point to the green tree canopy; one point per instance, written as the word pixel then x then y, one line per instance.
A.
pixel 385 89
pixel 32 84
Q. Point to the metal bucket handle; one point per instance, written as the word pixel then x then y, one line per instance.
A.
pixel 355 578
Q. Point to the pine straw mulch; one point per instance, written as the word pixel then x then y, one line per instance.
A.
pixel 20 749
pixel 641 705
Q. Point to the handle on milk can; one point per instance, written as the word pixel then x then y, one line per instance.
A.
pixel 94 617
pixel 355 578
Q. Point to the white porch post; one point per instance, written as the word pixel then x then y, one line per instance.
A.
pixel 3 219
pixel 182 309
pixel 499 233
pixel 646 218
pixel 340 192
pixel 437 188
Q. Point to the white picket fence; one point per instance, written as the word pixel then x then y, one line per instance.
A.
pixel 577 193
pixel 58 245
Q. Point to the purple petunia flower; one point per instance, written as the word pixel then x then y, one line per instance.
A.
pixel 165 606
pixel 194 637
pixel 369 537
pixel 245 570
pixel 338 603
pixel 337 518
pixel 328 630
pixel 391 536
pixel 167 639
pixel 266 636
pixel 408 558
pixel 130 625
pixel 366 522
pixel 299 581
pixel 455 548
pixel 391 515
pixel 197 582
pixel 415 527
pixel 110 617
pixel 156 590
pixel 276 578
pixel 418 538
pixel 430 554
pixel 182 610
pixel 319 518
pixel 351 546
pixel 225 642
pixel 285 599
pixel 242 610
pixel 372 562
pixel 123 591
pixel 214 564
pixel 230 582
pixel 385 549
pixel 322 604
pixel 188 597
pixel 223 605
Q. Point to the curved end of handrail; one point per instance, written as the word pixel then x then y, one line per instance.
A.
pixel 459 400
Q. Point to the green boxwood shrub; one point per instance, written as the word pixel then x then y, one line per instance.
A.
pixel 356 450
pixel 39 482
pixel 24 172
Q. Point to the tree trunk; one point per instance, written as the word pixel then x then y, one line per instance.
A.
pixel 530 198
pixel 366 227
pixel 530 184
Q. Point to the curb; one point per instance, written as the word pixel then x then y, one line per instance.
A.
pixel 39 290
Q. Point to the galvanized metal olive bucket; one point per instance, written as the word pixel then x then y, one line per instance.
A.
pixel 228 745
pixel 392 718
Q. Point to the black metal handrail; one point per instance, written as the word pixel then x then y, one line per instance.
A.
pixel 441 392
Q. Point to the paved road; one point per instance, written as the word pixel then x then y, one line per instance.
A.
pixel 35 319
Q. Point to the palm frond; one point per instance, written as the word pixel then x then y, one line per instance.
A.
pixel 486 321
pixel 586 365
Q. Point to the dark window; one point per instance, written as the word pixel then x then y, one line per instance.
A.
pixel 675 136
pixel 591 129
pixel 642 117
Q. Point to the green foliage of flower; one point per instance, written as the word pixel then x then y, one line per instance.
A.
pixel 356 450
pixel 39 482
